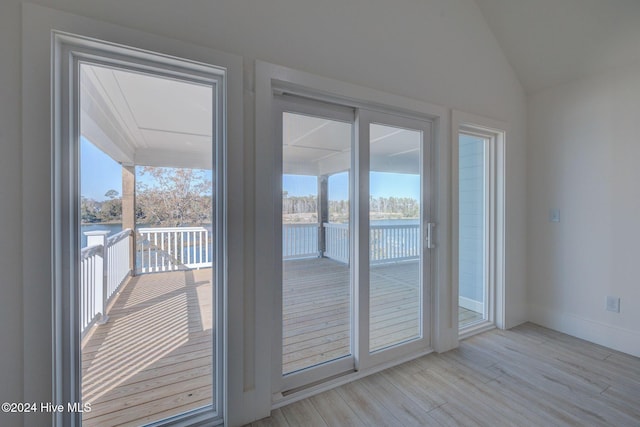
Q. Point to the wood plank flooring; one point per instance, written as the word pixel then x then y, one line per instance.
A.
pixel 467 317
pixel 527 376
pixel 153 358
pixel 316 313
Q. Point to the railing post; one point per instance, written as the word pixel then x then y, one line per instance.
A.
pixel 95 238
pixel 323 212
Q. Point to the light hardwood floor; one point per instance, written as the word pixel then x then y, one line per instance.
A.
pixel 527 376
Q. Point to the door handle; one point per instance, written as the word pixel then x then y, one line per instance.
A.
pixel 430 244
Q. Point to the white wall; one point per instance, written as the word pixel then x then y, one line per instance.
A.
pixel 584 148
pixel 437 51
pixel 11 365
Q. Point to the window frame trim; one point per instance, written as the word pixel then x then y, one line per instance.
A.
pixel 495 132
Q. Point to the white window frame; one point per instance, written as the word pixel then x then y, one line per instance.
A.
pixel 494 132
pixel 48 159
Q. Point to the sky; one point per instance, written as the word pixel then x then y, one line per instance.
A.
pixel 99 173
pixel 382 184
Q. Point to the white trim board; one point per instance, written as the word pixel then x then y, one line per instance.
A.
pixel 615 337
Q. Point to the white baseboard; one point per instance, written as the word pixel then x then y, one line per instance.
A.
pixel 471 304
pixel 615 337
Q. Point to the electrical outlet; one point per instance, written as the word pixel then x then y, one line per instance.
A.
pixel 613 304
pixel 554 215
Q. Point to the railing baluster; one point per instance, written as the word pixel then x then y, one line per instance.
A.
pixel 206 247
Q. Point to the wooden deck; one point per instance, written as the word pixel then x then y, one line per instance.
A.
pixel 316 309
pixel 153 358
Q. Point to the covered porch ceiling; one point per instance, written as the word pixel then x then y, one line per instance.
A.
pixel 316 146
pixel 146 120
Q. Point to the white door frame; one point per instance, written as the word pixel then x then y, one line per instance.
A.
pixel 272 79
pixel 69 53
pixel 495 132
pixel 53 375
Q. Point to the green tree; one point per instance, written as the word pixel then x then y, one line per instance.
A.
pixel 174 197
pixel 88 210
pixel 111 209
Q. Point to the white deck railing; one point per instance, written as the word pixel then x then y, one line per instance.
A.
pixel 299 241
pixel 336 241
pixel 104 266
pixel 394 243
pixel 168 249
pixel 388 243
pixel 91 274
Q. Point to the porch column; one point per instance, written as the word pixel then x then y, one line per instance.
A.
pixel 129 210
pixel 323 212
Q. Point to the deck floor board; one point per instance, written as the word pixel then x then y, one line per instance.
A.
pixel 153 358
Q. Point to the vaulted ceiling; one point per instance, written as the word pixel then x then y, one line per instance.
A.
pixel 549 42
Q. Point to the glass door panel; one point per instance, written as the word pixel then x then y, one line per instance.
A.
pixel 316 274
pixel 395 244
pixel 354 202
pixel 473 226
pixel 148 342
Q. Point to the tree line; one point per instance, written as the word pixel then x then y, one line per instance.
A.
pixel 171 198
pixel 401 207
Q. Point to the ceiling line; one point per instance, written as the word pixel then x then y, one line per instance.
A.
pixel 174 131
pixel 126 101
pixel 326 123
pixel 404 152
pixel 331 150
pixel 112 109
pixel 380 138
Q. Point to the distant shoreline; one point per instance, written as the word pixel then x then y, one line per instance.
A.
pixel 101 223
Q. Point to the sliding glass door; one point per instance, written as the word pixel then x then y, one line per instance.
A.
pixel 394 235
pixel 354 205
pixel 316 300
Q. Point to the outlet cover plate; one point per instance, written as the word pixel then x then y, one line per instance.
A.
pixel 613 304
